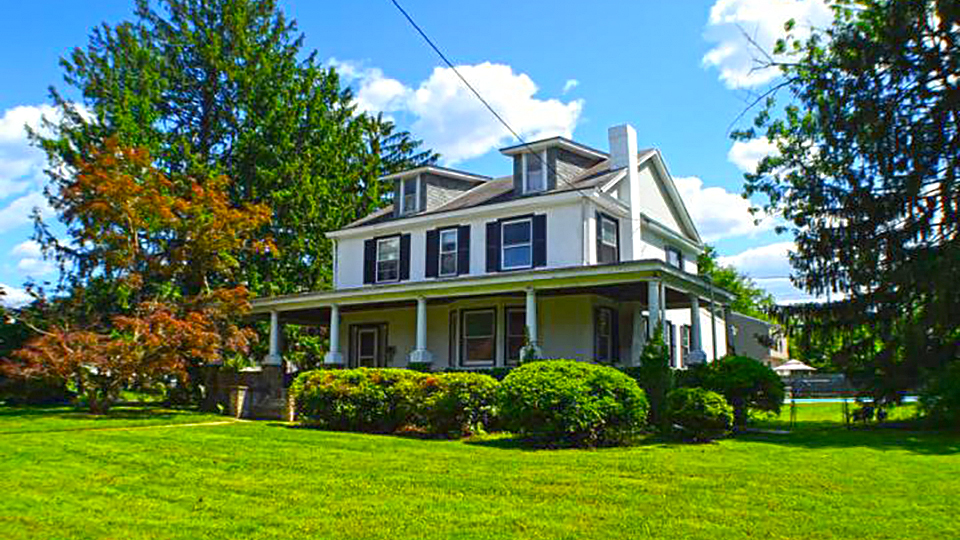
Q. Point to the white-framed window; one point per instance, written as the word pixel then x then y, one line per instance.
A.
pixel 409 195
pixel 603 334
pixel 516 238
pixel 515 333
pixel 674 257
pixel 479 337
pixel 535 172
pixel 685 342
pixel 607 229
pixel 388 259
pixel 448 252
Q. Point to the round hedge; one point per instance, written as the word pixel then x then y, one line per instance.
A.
pixel 703 415
pixel 564 402
pixel 457 404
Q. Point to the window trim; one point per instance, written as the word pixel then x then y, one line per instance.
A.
pixel 543 172
pixel 464 362
pixel 456 249
pixel 504 247
pixel 416 196
pixel 376 259
pixel 615 245
pixel 507 310
pixel 611 313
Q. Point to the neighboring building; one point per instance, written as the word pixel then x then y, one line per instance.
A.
pixel 582 250
pixel 758 339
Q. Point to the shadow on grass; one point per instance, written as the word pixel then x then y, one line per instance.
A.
pixel 901 435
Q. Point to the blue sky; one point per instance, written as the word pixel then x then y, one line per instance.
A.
pixel 679 72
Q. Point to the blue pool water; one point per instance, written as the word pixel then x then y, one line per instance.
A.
pixel 907 399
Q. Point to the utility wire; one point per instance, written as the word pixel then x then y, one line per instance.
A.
pixel 489 107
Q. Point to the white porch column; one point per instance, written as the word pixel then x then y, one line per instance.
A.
pixel 663 310
pixel 713 328
pixel 420 353
pixel 531 315
pixel 334 356
pixel 273 356
pixel 696 356
pixel 653 306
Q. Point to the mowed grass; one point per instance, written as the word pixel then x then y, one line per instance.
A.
pixel 267 480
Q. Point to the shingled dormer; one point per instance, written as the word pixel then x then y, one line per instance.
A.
pixel 426 188
pixel 537 165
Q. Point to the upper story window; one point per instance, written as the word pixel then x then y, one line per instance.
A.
pixel 388 259
pixel 517 244
pixel 534 172
pixel 409 195
pixel 448 252
pixel 674 257
pixel 608 241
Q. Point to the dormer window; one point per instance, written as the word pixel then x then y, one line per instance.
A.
pixel 535 172
pixel 674 257
pixel 409 195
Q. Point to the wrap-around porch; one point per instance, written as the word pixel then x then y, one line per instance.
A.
pixel 596 313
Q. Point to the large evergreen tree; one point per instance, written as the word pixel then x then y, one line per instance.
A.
pixel 224 87
pixel 866 179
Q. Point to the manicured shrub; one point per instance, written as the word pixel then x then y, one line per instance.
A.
pixel 701 414
pixel 457 404
pixel 498 373
pixel 940 400
pixel 369 400
pixel 563 402
pixel 747 384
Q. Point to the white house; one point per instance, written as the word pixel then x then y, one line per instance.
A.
pixel 582 250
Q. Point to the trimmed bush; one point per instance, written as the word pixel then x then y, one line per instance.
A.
pixel 563 402
pixel 498 373
pixel 457 404
pixel 747 384
pixel 702 414
pixel 940 400
pixel 655 377
pixel 365 399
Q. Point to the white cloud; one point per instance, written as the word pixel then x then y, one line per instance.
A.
pixel 762 20
pixel 717 212
pixel 21 165
pixel 32 263
pixel 18 212
pixel 14 297
pixel 746 155
pixel 27 248
pixel 451 120
pixel 570 85
pixel 769 266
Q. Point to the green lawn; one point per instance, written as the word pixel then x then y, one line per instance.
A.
pixel 266 480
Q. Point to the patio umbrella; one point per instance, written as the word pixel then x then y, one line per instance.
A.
pixel 792 366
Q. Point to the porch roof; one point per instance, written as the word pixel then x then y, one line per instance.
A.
pixel 612 277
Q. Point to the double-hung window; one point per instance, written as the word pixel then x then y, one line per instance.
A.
pixel 409 194
pixel 448 252
pixel 516 333
pixel 517 244
pixel 607 232
pixel 674 257
pixel 684 342
pixel 603 330
pixel 388 259
pixel 479 332
pixel 534 172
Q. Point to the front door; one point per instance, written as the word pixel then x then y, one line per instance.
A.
pixel 368 345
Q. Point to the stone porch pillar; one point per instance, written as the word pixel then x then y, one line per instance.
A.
pixel 420 354
pixel 273 356
pixel 334 356
pixel 653 306
pixel 696 356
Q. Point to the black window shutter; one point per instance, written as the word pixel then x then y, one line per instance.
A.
pixel 551 167
pixel 596 334
pixel 369 261
pixel 433 253
pixel 493 246
pixel 618 258
pixel 404 257
pixel 463 250
pixel 599 228
pixel 539 240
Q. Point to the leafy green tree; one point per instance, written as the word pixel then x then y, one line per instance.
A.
pixel 749 298
pixel 224 87
pixel 655 376
pixel 865 177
